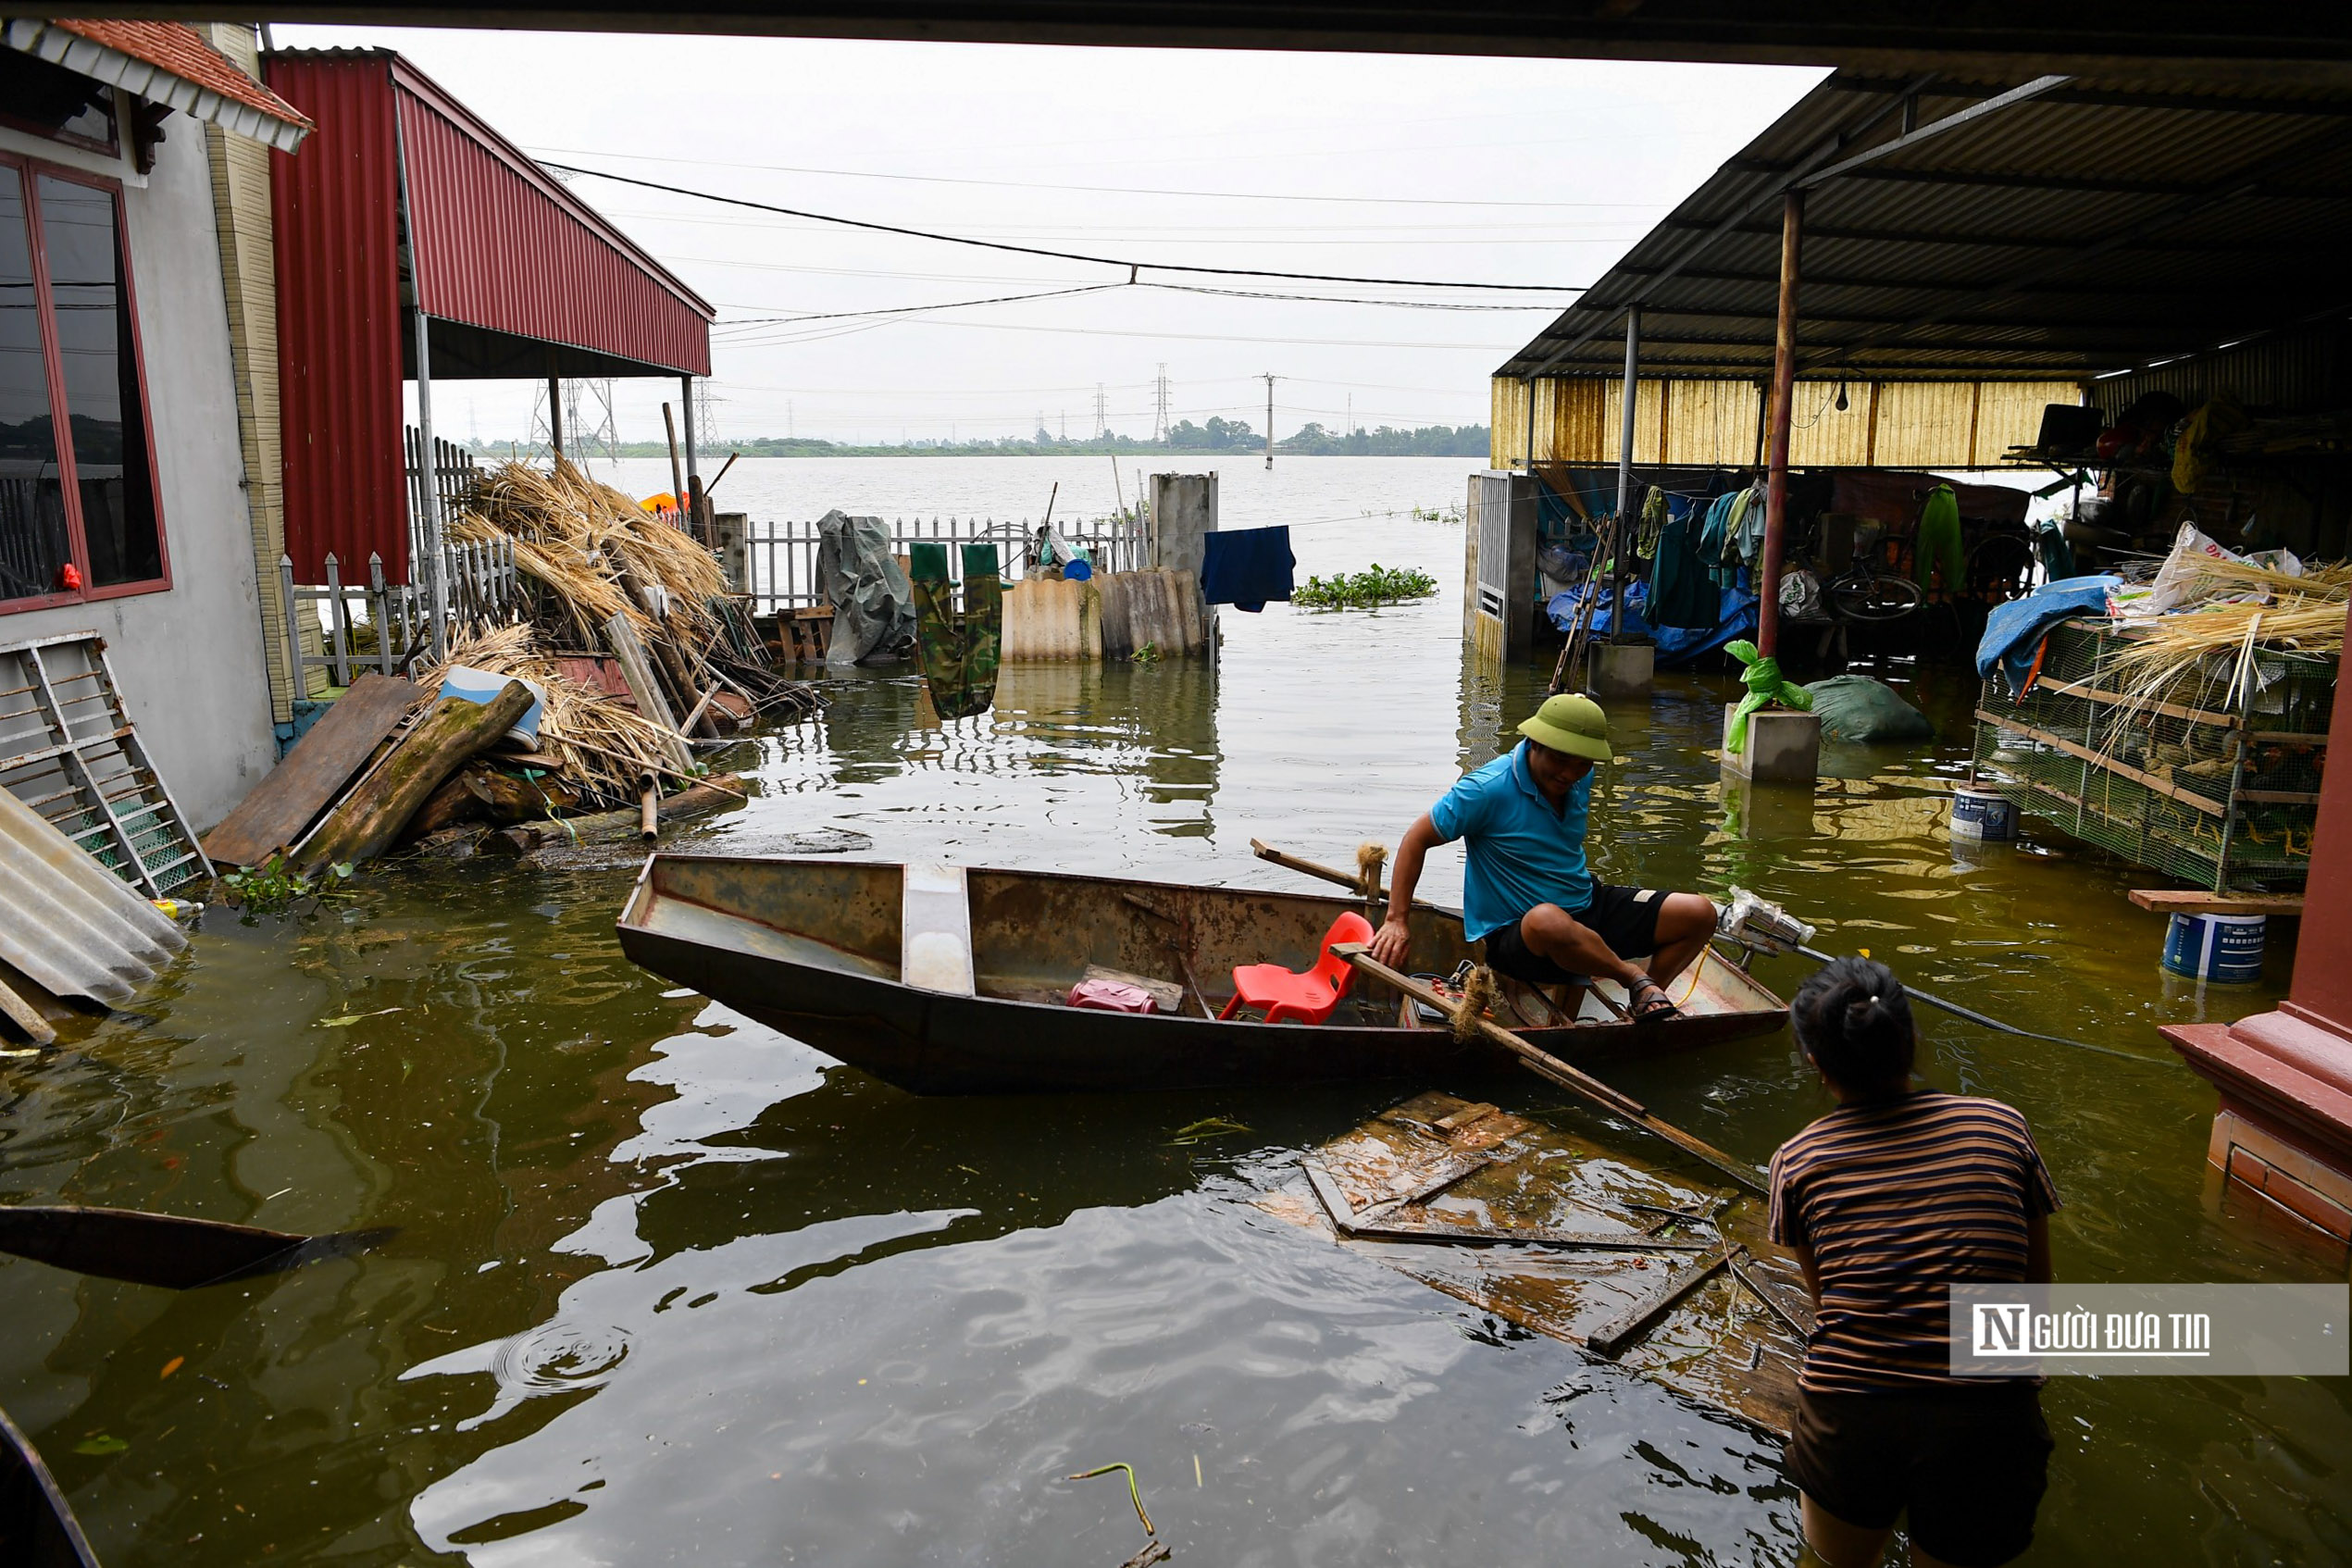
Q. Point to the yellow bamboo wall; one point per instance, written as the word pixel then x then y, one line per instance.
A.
pixel 1884 424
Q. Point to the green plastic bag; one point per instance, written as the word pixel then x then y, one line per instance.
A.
pixel 1765 686
pixel 1855 707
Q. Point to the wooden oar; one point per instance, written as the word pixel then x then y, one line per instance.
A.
pixel 1546 1065
pixel 1266 851
pixel 166 1250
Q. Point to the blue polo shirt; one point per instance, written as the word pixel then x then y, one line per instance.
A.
pixel 1519 851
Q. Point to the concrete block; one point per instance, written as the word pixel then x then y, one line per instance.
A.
pixel 1783 748
pixel 1622 670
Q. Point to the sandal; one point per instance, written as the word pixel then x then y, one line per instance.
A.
pixel 1649 1002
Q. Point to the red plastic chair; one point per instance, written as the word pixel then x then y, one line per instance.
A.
pixel 1308 998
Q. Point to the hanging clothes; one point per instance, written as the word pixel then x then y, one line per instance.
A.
pixel 959 650
pixel 1244 568
pixel 1938 544
pixel 1750 528
pixel 1721 542
pixel 1681 593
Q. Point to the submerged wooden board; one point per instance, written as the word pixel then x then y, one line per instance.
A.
pixel 314 773
pixel 1715 1342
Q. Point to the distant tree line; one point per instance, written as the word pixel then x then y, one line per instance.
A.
pixel 1216 435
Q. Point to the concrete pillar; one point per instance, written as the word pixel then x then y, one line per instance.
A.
pixel 1622 670
pixel 1783 748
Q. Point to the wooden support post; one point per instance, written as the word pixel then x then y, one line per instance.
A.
pixel 649 807
pixel 1792 234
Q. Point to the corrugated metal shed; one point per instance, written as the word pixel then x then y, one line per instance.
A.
pixel 404 199
pixel 73 927
pixel 2094 227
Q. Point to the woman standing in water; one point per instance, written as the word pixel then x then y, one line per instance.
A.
pixel 1898 1193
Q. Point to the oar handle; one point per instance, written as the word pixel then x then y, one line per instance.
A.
pixel 1265 851
pixel 1548 1066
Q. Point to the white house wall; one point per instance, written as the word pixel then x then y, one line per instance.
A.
pixel 190 658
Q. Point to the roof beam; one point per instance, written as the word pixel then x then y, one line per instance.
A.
pixel 1978 239
pixel 2086 184
pixel 2328 272
pixel 1933 128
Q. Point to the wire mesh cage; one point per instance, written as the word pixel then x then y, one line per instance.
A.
pixel 2205 766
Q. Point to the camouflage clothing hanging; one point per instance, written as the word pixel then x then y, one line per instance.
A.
pixel 959 649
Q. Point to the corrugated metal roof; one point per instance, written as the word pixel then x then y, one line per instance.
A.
pixel 404 197
pixel 336 232
pixel 73 927
pixel 2095 227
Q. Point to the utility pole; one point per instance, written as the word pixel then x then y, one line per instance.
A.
pixel 1160 415
pixel 1101 412
pixel 791 429
pixel 1268 378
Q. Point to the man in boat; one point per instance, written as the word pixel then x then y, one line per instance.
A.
pixel 1526 892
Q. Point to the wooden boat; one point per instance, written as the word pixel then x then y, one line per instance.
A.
pixel 954 980
pixel 37 1525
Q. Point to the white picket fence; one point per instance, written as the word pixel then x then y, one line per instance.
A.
pixel 783 555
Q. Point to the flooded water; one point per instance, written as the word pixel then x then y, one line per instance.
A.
pixel 670 1288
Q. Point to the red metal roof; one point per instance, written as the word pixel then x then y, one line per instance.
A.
pixel 499 243
pixel 194 75
pixel 519 278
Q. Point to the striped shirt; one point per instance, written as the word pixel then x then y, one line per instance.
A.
pixel 1898 1199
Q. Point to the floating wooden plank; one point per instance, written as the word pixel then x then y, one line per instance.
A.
pixel 1727 1339
pixel 322 763
pixel 1611 1337
pixel 2170 901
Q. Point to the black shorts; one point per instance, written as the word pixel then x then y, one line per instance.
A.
pixel 1626 918
pixel 1968 1464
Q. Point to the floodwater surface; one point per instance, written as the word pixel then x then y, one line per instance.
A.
pixel 672 1287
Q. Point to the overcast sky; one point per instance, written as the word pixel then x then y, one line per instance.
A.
pixel 1455 170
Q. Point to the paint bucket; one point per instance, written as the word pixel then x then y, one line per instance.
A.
pixel 1984 815
pixel 2226 948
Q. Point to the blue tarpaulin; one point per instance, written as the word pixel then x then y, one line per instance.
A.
pixel 2014 632
pixel 1675 645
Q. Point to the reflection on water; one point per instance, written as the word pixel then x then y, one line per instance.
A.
pixel 670 1286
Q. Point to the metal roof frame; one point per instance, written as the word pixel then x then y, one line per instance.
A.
pixel 2056 226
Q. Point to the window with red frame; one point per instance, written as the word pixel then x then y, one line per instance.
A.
pixel 78 512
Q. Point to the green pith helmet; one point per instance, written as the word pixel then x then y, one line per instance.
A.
pixel 1571 724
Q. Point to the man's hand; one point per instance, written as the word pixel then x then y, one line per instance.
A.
pixel 1392 943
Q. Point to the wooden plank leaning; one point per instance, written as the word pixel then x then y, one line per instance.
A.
pixel 638 671
pixel 1546 1065
pixel 320 768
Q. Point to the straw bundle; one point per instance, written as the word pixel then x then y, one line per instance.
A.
pixel 604 746
pixel 568 530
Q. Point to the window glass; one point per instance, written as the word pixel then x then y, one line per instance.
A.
pixel 99 354
pixel 33 544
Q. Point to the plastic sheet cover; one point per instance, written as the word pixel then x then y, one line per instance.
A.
pixel 873 602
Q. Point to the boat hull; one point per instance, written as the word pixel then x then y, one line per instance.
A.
pixel 735 930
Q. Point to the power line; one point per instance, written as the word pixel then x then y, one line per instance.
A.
pixel 914 309
pixel 1133 267
pixel 1096 190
